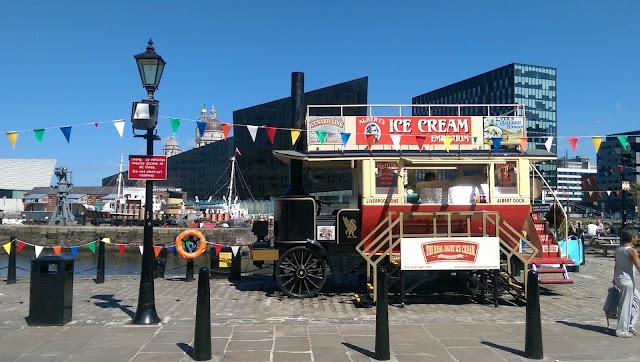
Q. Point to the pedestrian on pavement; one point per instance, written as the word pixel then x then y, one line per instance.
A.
pixel 626 257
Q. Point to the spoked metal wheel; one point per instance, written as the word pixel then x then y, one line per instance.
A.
pixel 301 272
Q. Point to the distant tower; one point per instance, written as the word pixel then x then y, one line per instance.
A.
pixel 213 130
pixel 62 213
pixel 171 147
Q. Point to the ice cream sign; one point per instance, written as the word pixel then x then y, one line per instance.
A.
pixel 433 129
pixel 466 253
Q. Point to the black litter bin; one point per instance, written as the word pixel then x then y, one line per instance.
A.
pixel 51 291
pixel 160 264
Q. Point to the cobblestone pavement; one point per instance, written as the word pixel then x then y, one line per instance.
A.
pixel 253 321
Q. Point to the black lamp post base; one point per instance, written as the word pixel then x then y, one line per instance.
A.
pixel 146 315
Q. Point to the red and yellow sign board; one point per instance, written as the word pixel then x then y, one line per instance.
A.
pixel 459 253
pixel 433 129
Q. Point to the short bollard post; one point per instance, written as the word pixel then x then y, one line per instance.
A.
pixel 382 352
pixel 236 266
pixel 100 270
pixel 202 340
pixel 190 270
pixel 533 328
pixel 11 269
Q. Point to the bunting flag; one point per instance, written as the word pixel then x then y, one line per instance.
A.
pixel 57 249
pixel 597 140
pixel 295 133
pixel 226 128
pixel 201 127
pixel 573 141
pixel 7 247
pixel 39 133
pixel 420 141
pixel 395 138
pixel 175 123
pixel 141 249
pixel 237 151
pixel 322 135
pixel 95 124
pixel 447 142
pixel 21 245
pixel 234 250
pixel 253 130
pixel 523 143
pixel 608 193
pixel 618 192
pixel 371 139
pixel 548 143
pixel 38 250
pixel 218 248
pixel 599 193
pixel 475 139
pixel 271 132
pixel 496 143
pixel 188 245
pixel 13 137
pixel 156 250
pixel 66 131
pixel 121 248
pixel 74 251
pixel 623 141
pixel 119 124
pixel 92 246
pixel 621 168
pixel 106 240
pixel 173 250
pixel 345 138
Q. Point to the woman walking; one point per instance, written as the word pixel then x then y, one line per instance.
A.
pixel 626 257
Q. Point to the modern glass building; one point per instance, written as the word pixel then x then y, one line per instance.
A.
pixel 532 85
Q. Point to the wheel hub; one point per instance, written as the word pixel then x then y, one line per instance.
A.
pixel 301 272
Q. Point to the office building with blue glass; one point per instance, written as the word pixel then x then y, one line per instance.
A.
pixel 532 85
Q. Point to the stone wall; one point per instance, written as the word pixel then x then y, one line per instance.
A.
pixel 46 235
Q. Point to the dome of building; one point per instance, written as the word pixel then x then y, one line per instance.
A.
pixel 172 142
pixel 213 125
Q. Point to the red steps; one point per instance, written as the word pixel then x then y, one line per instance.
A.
pixel 555 281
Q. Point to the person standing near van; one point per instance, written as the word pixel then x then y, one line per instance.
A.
pixel 626 257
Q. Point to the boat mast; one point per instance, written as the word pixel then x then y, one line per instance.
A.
pixel 119 191
pixel 233 171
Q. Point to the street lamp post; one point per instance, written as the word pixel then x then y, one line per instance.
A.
pixel 145 117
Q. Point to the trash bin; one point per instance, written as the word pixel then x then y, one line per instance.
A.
pixel 51 291
pixel 160 264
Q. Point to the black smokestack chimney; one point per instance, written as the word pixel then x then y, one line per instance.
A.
pixel 296 186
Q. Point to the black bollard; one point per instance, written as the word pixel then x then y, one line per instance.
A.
pixel 190 268
pixel 496 294
pixel 202 340
pixel 382 352
pixel 236 266
pixel 533 328
pixel 11 270
pixel 100 269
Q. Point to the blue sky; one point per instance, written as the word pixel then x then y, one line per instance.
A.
pixel 70 62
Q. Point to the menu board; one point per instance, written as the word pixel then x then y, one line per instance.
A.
pixel 506 178
pixel 386 178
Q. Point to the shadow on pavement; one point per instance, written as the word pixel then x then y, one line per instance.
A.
pixel 186 348
pixel 517 352
pixel 108 301
pixel 588 327
pixel 361 350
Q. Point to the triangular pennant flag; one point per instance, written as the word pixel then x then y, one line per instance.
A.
pixel 21 245
pixel 420 141
pixel 623 141
pixel 119 125
pixel 599 193
pixel 271 132
pixel 173 250
pixel 234 250
pixel 141 249
pixel 201 127
pixel 321 135
pixel 156 250
pixel 226 128
pixel 95 124
pixel 295 133
pixel 66 131
pixel 92 246
pixel 218 248
pixel 345 138
pixel 13 137
pixel 447 142
pixel 188 244
pixel 548 143
pixel 39 133
pixel 57 249
pixel 7 247
pixel 608 193
pixel 590 193
pixel 573 141
pixel 121 248
pixel 38 250
pixel 597 140
pixel 618 192
pixel 175 123
pixel 74 251
pixel 395 138
pixel 496 143
pixel 237 151
pixel 475 139
pixel 253 130
pixel 106 240
pixel 621 168
pixel 371 138
pixel 523 143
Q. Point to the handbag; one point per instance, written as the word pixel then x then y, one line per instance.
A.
pixel 610 307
